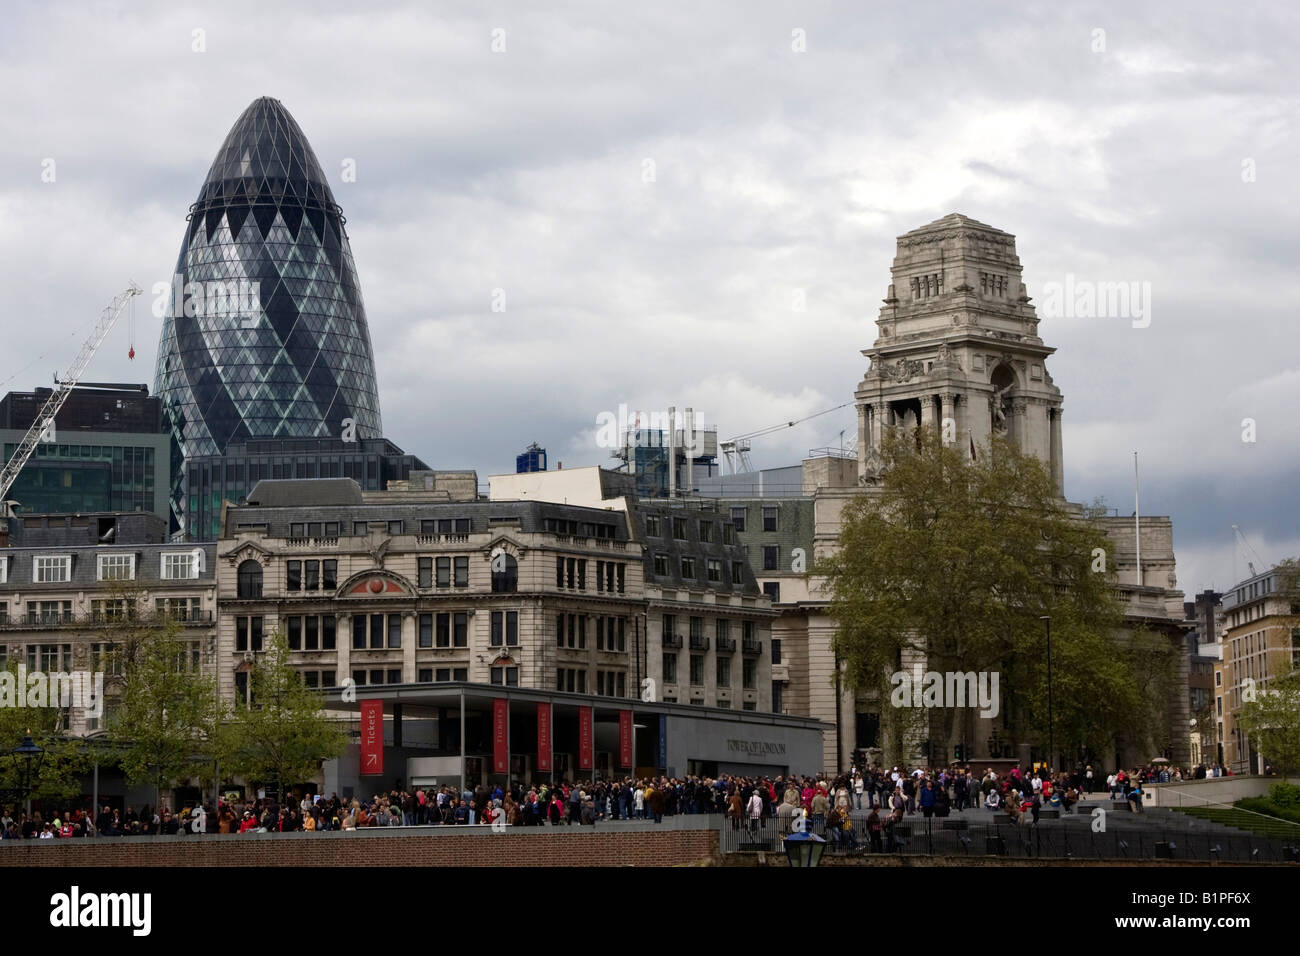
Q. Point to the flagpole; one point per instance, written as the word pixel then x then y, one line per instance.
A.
pixel 1137 520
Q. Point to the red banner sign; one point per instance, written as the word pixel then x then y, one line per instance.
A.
pixel 544 737
pixel 586 741
pixel 372 737
pixel 625 738
pixel 500 735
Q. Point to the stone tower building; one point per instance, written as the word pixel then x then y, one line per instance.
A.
pixel 958 348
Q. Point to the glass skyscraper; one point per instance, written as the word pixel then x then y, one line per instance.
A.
pixel 264 333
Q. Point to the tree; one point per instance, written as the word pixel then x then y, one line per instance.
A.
pixel 1272 721
pixel 168 712
pixel 59 776
pixel 956 561
pixel 283 735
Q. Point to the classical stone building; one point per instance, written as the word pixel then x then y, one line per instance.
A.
pixel 1260 642
pixel 957 348
pixel 71 587
pixel 427 583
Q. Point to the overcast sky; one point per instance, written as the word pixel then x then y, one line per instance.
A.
pixel 1121 155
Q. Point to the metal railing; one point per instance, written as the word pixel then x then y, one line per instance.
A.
pixel 999 836
pixel 38 619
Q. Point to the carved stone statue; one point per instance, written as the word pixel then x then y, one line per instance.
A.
pixel 997 404
pixel 379 550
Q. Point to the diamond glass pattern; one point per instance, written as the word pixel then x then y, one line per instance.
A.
pixel 300 363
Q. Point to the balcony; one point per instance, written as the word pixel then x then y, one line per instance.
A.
pixel 312 543
pixel 38 620
pixel 726 645
pixel 429 539
pixel 673 640
pixel 752 647
pixel 699 642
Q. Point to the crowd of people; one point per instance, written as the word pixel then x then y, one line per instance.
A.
pixel 880 798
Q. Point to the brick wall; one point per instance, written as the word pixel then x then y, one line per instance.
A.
pixel 541 847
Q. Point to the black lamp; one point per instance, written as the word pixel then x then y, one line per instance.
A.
pixel 804 849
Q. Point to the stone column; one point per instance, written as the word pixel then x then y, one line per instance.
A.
pixel 1019 430
pixel 1058 464
pixel 876 423
pixel 927 411
pixel 947 412
pixel 410 637
pixel 864 434
pixel 343 647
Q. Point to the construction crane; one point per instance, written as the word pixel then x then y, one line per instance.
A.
pixel 43 425
pixel 736 450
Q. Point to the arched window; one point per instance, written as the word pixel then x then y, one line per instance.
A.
pixel 250 579
pixel 507 578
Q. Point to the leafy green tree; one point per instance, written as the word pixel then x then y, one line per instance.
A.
pixel 283 735
pixel 167 714
pixel 958 561
pixel 1272 721
pixel 60 769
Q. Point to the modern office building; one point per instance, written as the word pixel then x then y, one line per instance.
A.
pixel 70 585
pixel 1259 642
pixel 109 451
pixel 532 459
pixel 210 480
pixel 1205 616
pixel 265 335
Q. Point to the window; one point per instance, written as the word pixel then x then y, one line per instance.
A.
pixel 505 574
pixel 444 630
pixel 51 568
pixel 49 612
pixel 311 576
pixel 582 632
pixel 715 570
pixel 750 705
pixel 460 633
pixel 582 574
pixel 670 668
pixel 295 633
pixel 311 633
pixel 771 557
pixel 737 572
pixel 738 517
pixel 706 531
pixel 724 671
pixel 773 590
pixel 248 634
pixel 114 567
pixel 424 675
pixel 297 530
pixel 723 704
pixel 769 517
pixel 749 673
pixel 505 627
pixel 249 579
pixel 697 670
pixel 329 575
pixel 728 534
pixel 688 568
pixel 377 676
pixel 619 577
pixel 313 529
pixel 460 673
pixel 777 687
pixel 425 638
pixel 394 630
pixel 4 570
pixel 661 565
pixel 443 674
pixel 509 676
pixel 679 529
pixel 311 678
pixel 652 526
pixel 360 528
pixel 462 572
pixel 331 530
pixel 395 527
pixel 180 565
pixel 394 675
pixel 293 575
pixel 358 632
pixel 376 632
pixel 179 608
pixel 444 572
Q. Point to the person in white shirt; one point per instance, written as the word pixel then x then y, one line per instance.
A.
pixel 857 789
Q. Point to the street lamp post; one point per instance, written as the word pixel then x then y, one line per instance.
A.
pixel 27 756
pixel 1051 738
